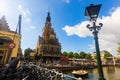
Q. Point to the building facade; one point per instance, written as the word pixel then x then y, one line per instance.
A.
pixel 102 56
pixel 9 42
pixel 48 46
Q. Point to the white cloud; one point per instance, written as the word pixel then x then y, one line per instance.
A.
pixel 4 7
pixel 32 27
pixel 108 35
pixel 25 13
pixel 67 1
pixel 79 29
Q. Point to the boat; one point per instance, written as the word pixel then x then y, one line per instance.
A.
pixel 80 73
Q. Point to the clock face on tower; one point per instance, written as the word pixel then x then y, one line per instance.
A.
pixel 52 36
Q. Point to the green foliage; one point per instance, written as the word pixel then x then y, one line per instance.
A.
pixel 82 54
pixel 70 54
pixel 95 57
pixel 27 52
pixel 107 55
pixel 118 50
pixel 76 55
pixel 64 54
pixel 88 56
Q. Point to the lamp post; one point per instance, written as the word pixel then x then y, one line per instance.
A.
pixel 92 13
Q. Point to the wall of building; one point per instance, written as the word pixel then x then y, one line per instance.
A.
pixel 15 38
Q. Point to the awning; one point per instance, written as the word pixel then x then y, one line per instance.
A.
pixel 64 59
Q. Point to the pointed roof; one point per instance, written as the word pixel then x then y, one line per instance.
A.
pixel 47 22
pixel 48 18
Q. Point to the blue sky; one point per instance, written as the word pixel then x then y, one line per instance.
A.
pixel 68 21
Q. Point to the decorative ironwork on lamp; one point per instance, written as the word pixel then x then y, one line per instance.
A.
pixel 91 12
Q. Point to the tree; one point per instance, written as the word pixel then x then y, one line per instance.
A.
pixel 88 56
pixel 107 55
pixel 76 55
pixel 70 54
pixel 27 52
pixel 118 50
pixel 82 54
pixel 95 57
pixel 64 54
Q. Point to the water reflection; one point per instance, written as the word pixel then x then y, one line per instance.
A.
pixel 110 70
pixel 110 73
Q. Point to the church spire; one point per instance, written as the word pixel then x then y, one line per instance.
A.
pixel 48 18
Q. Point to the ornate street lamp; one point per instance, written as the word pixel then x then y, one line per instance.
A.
pixel 91 12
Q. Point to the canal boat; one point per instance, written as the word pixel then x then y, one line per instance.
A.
pixel 80 73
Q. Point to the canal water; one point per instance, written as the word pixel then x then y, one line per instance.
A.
pixel 110 73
